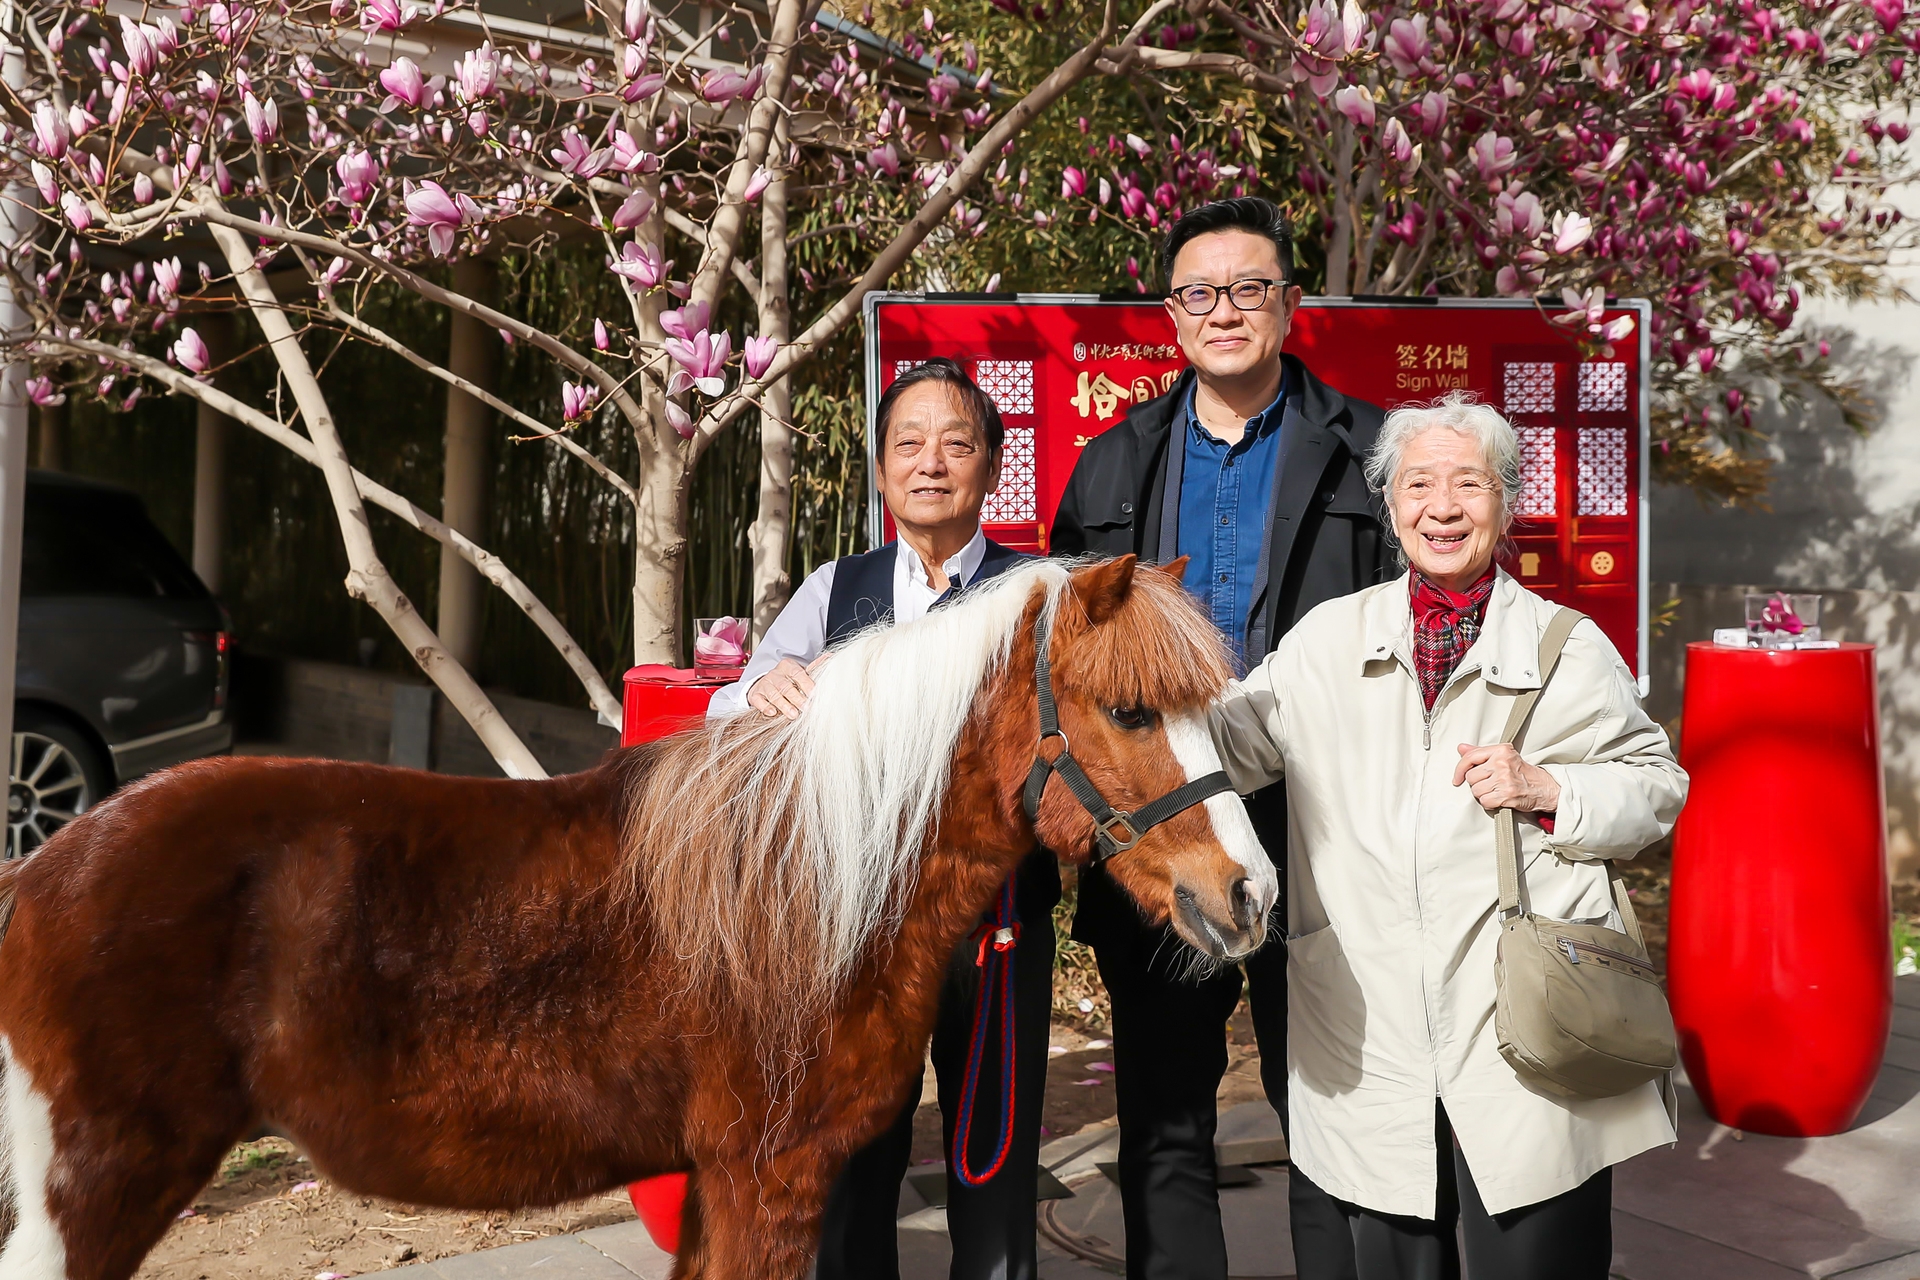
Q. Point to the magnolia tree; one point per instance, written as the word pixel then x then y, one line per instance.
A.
pixel 1723 159
pixel 287 159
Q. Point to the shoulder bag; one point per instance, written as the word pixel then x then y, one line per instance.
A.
pixel 1580 1012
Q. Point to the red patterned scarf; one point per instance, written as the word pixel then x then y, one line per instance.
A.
pixel 1445 625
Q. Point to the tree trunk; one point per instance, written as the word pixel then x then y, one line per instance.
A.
pixel 770 534
pixel 210 462
pixel 473 354
pixel 50 437
pixel 367 576
pixel 660 504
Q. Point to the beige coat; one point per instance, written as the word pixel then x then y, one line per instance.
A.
pixel 1392 892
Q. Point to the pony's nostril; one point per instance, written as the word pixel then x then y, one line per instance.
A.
pixel 1246 903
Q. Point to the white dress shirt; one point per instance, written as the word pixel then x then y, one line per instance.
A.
pixel 800 632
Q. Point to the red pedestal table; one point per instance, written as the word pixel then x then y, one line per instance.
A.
pixel 1781 972
pixel 657 701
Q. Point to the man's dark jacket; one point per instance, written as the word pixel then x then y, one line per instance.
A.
pixel 1324 540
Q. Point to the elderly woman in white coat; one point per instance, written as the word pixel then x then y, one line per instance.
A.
pixel 1379 709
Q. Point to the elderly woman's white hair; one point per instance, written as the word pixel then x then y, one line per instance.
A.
pixel 1457 411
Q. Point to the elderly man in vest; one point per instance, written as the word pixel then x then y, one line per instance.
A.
pixel 938 457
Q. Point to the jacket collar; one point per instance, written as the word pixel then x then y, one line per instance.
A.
pixel 1508 649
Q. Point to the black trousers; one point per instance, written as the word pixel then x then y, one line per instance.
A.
pixel 1169 1054
pixel 1569 1237
pixel 992 1225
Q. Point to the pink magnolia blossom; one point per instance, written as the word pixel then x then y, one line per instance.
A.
pixel 1138 145
pixel 263 120
pixel 600 339
pixel 687 321
pixel 756 184
pixel 1407 45
pixel 77 211
pixel 1519 215
pixel 577 401
pixel 357 171
pixel 142 189
pixel 405 83
pixel 758 354
pixel 479 122
pixel 1355 102
pixel 190 352
pixel 721 85
pixel 231 24
pixel 384 15
pixel 141 44
pixel 642 87
pixel 43 178
pixel 576 157
pixel 331 276
pixel 633 211
pixel 50 133
pixel 940 91
pixel 1493 155
pixel 166 276
pixel 885 159
pixel 477 74
pixel 704 356
pixel 679 419
pixel 1073 183
pixel 430 205
pixel 81 122
pixel 1433 112
pixel 644 265
pixel 1570 231
pixel 41 391
pixel 1133 202
pixel 627 156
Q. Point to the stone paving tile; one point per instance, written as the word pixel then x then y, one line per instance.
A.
pixel 628 1244
pixel 1645 1250
pixel 1907 1268
pixel 555 1258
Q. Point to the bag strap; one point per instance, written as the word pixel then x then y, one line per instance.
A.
pixel 1506 823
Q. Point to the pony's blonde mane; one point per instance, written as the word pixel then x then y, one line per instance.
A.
pixel 772 853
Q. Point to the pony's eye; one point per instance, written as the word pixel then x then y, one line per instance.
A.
pixel 1131 717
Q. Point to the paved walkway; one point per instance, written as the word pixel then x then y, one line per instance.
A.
pixel 1715 1207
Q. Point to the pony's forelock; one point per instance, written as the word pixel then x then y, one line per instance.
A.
pixel 1158 650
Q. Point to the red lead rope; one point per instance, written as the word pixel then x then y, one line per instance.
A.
pixel 997 938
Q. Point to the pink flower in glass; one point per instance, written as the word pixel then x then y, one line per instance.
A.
pixel 404 81
pixel 191 352
pixel 758 353
pixel 358 171
pixel 429 205
pixel 723 644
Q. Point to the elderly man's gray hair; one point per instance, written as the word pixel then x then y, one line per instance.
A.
pixel 1459 411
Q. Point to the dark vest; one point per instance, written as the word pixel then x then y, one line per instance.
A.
pixel 863 587
pixel 862 597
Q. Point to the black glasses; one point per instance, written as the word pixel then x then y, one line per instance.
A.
pixel 1247 295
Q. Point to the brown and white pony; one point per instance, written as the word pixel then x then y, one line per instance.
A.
pixel 719 953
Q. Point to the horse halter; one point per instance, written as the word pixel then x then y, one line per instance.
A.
pixel 1113 830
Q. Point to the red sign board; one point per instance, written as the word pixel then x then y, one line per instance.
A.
pixel 1065 368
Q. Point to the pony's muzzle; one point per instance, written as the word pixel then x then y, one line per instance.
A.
pixel 1226 926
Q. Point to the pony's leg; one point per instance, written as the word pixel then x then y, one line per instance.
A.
pixel 760 1223
pixel 92 1199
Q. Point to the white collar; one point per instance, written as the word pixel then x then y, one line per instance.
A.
pixel 960 568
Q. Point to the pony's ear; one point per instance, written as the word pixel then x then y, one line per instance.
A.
pixel 1103 588
pixel 1178 568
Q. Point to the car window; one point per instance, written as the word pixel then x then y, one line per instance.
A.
pixel 81 543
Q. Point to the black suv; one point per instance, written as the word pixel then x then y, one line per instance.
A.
pixel 123 656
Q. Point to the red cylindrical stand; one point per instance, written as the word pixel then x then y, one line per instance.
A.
pixel 657 701
pixel 1781 968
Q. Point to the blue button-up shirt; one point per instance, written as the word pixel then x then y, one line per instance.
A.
pixel 1224 494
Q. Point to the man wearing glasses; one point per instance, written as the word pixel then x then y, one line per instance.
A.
pixel 1252 468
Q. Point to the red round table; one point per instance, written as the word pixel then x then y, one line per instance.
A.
pixel 1779 955
pixel 657 701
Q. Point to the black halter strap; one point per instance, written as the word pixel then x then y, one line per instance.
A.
pixel 1114 831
